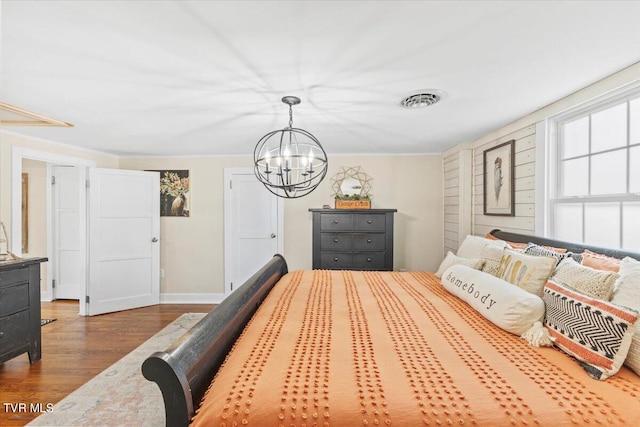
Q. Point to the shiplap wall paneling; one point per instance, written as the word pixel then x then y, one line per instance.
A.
pixel 525 154
pixel 458 201
pixel 451 168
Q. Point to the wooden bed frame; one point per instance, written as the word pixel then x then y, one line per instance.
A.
pixel 185 369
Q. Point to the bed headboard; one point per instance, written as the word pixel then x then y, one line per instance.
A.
pixel 572 247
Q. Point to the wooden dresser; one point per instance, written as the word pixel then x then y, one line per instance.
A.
pixel 20 308
pixel 353 239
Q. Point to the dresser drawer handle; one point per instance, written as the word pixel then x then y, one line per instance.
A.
pixel 335 259
pixel 369 221
pixel 368 259
pixel 335 240
pixel 368 240
pixel 335 221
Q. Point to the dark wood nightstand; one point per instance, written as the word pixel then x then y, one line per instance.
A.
pixel 20 309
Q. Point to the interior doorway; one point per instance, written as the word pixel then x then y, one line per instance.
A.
pixel 65 256
pixel 19 156
pixel 253 226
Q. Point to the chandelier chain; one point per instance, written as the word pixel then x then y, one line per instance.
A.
pixel 290 116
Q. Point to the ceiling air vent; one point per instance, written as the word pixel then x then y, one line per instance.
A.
pixel 420 100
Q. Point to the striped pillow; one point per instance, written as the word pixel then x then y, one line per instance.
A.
pixel 537 250
pixel 597 333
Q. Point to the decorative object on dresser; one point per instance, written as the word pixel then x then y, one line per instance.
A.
pixel 351 188
pixel 20 308
pixel 499 179
pixel 5 253
pixel 299 161
pixel 352 239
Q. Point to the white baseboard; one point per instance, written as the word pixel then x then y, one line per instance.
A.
pixel 191 298
pixel 170 298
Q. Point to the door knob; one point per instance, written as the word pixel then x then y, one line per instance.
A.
pixel 273 235
pixel 155 239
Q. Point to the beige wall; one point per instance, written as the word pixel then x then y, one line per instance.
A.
pixel 410 184
pixel 192 249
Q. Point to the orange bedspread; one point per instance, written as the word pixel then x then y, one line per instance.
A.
pixel 346 348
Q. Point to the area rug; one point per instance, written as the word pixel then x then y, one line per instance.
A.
pixel 120 395
pixel 46 321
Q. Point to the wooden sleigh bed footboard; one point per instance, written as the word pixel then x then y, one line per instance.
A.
pixel 185 369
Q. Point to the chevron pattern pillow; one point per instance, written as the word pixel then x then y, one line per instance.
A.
pixel 596 332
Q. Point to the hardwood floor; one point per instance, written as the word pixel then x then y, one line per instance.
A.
pixel 74 350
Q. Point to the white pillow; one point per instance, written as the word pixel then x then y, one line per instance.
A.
pixel 627 293
pixel 472 246
pixel 528 272
pixel 596 283
pixel 492 256
pixel 452 259
pixel 509 307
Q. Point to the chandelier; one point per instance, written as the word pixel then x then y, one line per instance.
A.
pixel 290 162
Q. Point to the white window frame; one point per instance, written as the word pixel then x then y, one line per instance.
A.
pixel 548 159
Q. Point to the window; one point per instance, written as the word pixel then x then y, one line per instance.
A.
pixel 595 184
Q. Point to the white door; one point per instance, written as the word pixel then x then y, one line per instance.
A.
pixel 124 229
pixel 253 226
pixel 68 273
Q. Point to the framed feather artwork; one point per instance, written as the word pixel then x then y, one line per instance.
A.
pixel 499 179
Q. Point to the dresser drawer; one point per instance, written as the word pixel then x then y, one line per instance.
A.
pixel 369 242
pixel 335 261
pixel 335 241
pixel 14 299
pixel 369 222
pixel 14 331
pixel 368 261
pixel 336 222
pixel 11 277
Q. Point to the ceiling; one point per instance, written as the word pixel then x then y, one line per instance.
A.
pixel 171 78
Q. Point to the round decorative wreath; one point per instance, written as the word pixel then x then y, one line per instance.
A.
pixel 356 173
